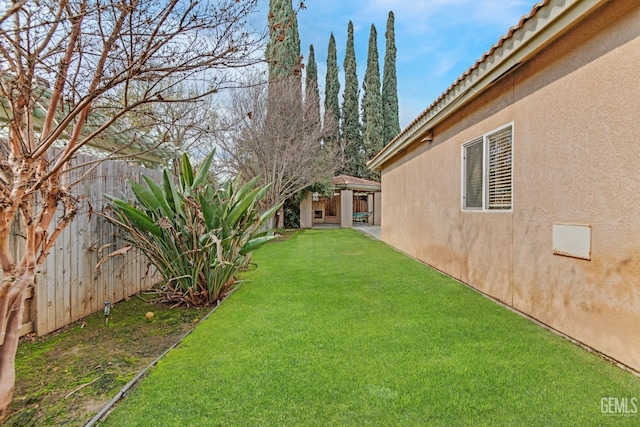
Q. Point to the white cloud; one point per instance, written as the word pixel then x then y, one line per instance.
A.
pixel 437 40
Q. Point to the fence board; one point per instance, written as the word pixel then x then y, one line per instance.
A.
pixel 67 270
pixel 67 286
pixel 121 262
pixel 55 295
pixel 74 255
pixel 97 237
pixel 79 307
pixel 105 281
pixel 41 313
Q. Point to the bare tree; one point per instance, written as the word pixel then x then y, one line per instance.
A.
pixel 184 124
pixel 66 70
pixel 281 144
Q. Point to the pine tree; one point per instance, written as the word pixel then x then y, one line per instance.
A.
pixel 351 129
pixel 331 120
pixel 372 122
pixel 390 86
pixel 283 48
pixel 312 97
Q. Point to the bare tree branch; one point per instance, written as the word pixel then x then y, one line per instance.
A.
pixel 70 71
pixel 272 137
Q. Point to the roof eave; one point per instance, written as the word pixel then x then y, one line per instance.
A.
pixel 357 187
pixel 525 41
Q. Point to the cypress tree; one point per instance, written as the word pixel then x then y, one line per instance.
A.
pixel 283 48
pixel 372 122
pixel 285 63
pixel 351 129
pixel 390 85
pixel 285 77
pixel 331 94
pixel 312 73
pixel 312 97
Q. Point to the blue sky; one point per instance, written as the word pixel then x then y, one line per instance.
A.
pixel 436 40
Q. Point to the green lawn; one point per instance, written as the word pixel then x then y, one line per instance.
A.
pixel 335 328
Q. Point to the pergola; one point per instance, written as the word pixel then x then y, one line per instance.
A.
pixel 354 199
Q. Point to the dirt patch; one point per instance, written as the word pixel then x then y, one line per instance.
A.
pixel 66 377
pixel 285 234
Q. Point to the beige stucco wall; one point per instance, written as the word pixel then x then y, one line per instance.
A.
pixel 306 212
pixel 346 204
pixel 377 208
pixel 575 110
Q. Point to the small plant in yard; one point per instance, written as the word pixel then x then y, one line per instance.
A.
pixel 68 376
pixel 198 237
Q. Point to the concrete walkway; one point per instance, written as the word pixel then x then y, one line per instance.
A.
pixel 372 230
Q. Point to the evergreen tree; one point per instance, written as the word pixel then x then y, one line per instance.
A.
pixel 372 123
pixel 351 129
pixel 331 120
pixel 283 48
pixel 284 113
pixel 284 59
pixel 312 96
pixel 390 86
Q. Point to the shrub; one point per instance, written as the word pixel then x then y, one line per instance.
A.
pixel 291 210
pixel 197 237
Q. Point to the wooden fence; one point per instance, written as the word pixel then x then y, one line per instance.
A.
pixel 68 287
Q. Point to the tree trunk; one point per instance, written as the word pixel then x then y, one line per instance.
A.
pixel 15 292
pixel 280 218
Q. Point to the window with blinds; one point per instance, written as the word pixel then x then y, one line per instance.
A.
pixel 487 174
pixel 473 161
pixel 499 169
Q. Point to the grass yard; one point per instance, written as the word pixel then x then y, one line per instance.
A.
pixel 68 376
pixel 336 328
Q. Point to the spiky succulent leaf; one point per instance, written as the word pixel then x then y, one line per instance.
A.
pixel 198 237
pixel 241 207
pixel 137 217
pixel 203 171
pixel 187 171
pixel 160 196
pixel 245 189
pixel 254 244
pixel 171 192
pixel 144 196
pixel 269 213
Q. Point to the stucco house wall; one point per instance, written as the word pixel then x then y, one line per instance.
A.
pixel 575 111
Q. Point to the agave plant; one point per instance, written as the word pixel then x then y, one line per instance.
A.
pixel 198 237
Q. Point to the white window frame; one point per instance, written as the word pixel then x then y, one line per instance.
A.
pixel 484 140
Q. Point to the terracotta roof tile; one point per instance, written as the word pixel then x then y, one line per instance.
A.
pixel 484 57
pixel 352 180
